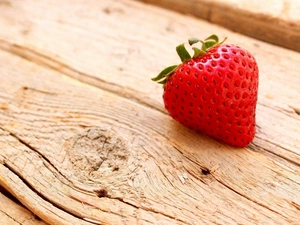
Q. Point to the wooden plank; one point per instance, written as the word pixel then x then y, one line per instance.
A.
pixel 51 161
pixel 104 61
pixel 11 213
pixel 80 143
pixel 274 21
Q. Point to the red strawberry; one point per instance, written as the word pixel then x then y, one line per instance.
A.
pixel 214 92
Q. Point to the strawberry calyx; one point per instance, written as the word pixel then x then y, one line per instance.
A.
pixel 184 55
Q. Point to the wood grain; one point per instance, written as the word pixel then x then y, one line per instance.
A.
pixel 14 214
pixel 88 61
pixel 274 21
pixel 85 139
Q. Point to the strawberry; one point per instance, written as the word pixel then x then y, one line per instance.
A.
pixel 214 92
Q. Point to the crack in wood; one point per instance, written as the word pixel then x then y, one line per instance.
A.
pixel 40 194
pixel 7 194
pixel 205 171
pixel 280 146
pixel 40 155
pixel 249 199
pixel 296 205
pixel 48 62
pixel 92 221
pixel 12 218
pixel 289 111
pixel 25 88
pixel 121 199
pixel 257 148
pixel 103 193
pixel 295 109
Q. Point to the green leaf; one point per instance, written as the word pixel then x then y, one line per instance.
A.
pixel 193 41
pixel 198 52
pixel 203 48
pixel 162 82
pixel 213 37
pixel 209 43
pixel 183 53
pixel 164 73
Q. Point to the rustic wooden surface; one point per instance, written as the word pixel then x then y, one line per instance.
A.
pixel 14 214
pixel 85 138
pixel 273 21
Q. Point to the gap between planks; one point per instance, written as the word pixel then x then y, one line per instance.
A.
pixel 277 24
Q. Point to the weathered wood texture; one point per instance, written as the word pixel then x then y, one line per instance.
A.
pixel 85 139
pixel 273 21
pixel 13 214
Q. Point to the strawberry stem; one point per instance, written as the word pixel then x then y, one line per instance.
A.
pixel 184 55
pixel 198 52
pixel 208 43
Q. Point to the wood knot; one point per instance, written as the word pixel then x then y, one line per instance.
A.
pixel 96 153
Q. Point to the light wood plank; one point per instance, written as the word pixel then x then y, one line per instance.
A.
pixel 52 161
pixel 11 213
pixel 273 21
pixel 117 57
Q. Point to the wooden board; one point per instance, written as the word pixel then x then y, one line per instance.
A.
pixel 14 214
pixel 85 138
pixel 273 21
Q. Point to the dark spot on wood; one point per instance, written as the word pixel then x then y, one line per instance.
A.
pixel 205 171
pixel 101 193
pixel 111 9
pixel 37 218
pixel 107 10
pixel 116 168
